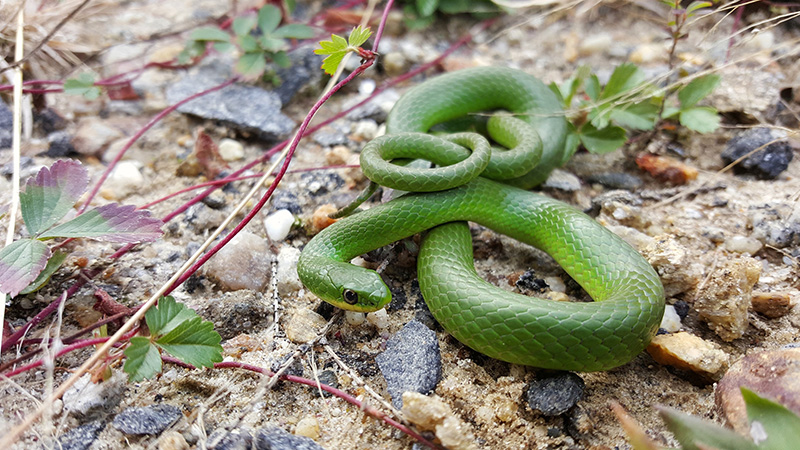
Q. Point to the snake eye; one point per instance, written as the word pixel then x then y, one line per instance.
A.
pixel 350 297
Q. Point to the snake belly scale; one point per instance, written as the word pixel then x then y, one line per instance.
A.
pixel 627 293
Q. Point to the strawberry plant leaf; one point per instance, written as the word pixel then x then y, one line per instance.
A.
pixel 269 17
pixel 272 44
pixel 282 59
pixel 249 44
pixel 358 36
pixel 624 78
pixel 294 31
pixel 604 140
pixel 53 264
pixel 251 65
pixel 20 263
pixel 194 341
pixel 697 89
pixel 212 34
pixel 336 48
pixel 82 85
pixel 112 222
pixel 142 359
pixel 242 25
pixel 702 119
pixel 636 116
pixel 592 87
pixel 51 194
pixel 167 315
pixel 780 426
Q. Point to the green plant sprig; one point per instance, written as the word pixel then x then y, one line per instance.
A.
pixel 338 47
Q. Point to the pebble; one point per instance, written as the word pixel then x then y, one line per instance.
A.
pixel 202 218
pixel 722 302
pixel 365 130
pixel 777 225
pixel 304 326
pixel 59 144
pixel 92 400
pixel 772 304
pixel 666 169
pixel 379 319
pixel 766 163
pixel 151 420
pixel 82 437
pixel 238 312
pixel 556 394
pixel 243 107
pixel 671 321
pixel 236 439
pixel 596 43
pixel 244 263
pixel 321 219
pixel 671 261
pixel 278 224
pixel 283 199
pixel 432 414
pixel 742 244
pixel 230 150
pixel 563 181
pixel 123 181
pixel 689 352
pixel 617 180
pixel 319 182
pixel 354 318
pixel 93 136
pixel 330 137
pixel 307 426
pixel 411 362
pixel 774 374
pixel 649 53
pixel 288 280
pixel 395 63
pixel 327 377
pixel 273 438
pixel 172 440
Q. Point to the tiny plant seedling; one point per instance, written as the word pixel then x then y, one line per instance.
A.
pixel 337 47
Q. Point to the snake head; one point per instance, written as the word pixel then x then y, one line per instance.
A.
pixel 357 288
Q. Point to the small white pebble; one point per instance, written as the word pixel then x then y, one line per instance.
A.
pixel 231 150
pixel 671 320
pixel 359 261
pixel 556 284
pixel 365 129
pixel 124 180
pixel 380 319
pixel 278 224
pixel 354 318
pixel 366 87
pixel 307 426
pixel 742 244
pixel 597 43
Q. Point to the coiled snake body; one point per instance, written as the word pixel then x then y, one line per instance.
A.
pixel 628 295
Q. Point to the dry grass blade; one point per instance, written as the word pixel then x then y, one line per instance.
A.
pixel 636 435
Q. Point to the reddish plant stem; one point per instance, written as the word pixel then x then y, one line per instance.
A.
pixel 67 349
pixel 369 410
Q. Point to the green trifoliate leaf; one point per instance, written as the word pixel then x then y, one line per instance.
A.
pixel 269 17
pixel 294 31
pixel 142 359
pixel 697 89
pixel 702 119
pixel 427 7
pixel 243 25
pixel 604 140
pixel 358 36
pixel 625 78
pixel 212 34
pixel 637 116
pixel 193 341
pixel 251 65
pixel 167 316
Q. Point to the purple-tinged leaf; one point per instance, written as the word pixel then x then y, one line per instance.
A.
pixel 51 194
pixel 20 263
pixel 113 222
pixel 53 263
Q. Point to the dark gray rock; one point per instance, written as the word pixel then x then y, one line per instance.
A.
pixel 554 395
pixel 777 225
pixel 283 199
pixel 151 420
pixel 529 283
pixel 303 72
pixel 766 163
pixel 411 362
pixel 362 362
pixel 328 137
pixel 273 438
pixel 6 123
pixel 246 108
pixel 60 144
pixel 318 183
pixel 617 180
pixel 81 438
pixel 49 121
pixel 238 439
pixel 329 378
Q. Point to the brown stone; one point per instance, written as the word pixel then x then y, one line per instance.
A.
pixel 689 352
pixel 771 304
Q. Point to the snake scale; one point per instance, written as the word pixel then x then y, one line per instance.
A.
pixel 582 336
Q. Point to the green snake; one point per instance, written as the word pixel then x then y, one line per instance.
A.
pixel 581 336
